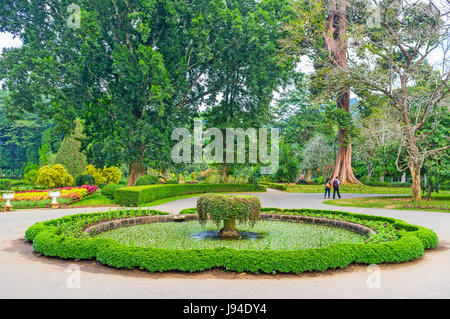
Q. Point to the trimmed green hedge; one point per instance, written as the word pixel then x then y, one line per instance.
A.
pixel 136 195
pixel 147 180
pixel 64 238
pixel 108 190
pixel 280 187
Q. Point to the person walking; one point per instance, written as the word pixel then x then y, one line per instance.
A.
pixel 336 184
pixel 327 188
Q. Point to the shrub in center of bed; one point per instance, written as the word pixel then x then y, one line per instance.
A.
pixel 226 210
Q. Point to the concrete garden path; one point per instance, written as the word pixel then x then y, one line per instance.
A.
pixel 24 274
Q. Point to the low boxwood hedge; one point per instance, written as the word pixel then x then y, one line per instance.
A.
pixel 136 195
pixel 280 187
pixel 64 238
pixel 108 190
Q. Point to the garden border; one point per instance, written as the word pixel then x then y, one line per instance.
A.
pixel 64 238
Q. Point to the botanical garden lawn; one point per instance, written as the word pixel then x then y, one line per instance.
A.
pixel 166 200
pixel 350 188
pixel 94 199
pixel 439 202
pixel 274 235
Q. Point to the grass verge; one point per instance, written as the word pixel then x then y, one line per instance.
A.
pixel 438 203
pixel 350 188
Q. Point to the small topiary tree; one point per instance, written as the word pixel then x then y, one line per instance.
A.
pixel 226 210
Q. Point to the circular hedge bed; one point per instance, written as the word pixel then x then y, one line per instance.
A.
pixel 73 237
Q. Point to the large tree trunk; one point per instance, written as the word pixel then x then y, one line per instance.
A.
pixel 343 165
pixel 308 176
pixel 335 37
pixel 137 170
pixel 416 188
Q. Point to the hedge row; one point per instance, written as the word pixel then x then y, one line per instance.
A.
pixel 137 195
pixel 280 187
pixel 64 238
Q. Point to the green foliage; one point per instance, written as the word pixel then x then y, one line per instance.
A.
pixel 111 175
pixel 137 195
pixel 288 164
pixel 45 149
pixel 64 238
pixel 107 175
pixel 96 173
pixel 54 176
pixel 5 184
pixel 109 189
pixel 222 207
pixel 69 154
pixel 84 179
pixel 30 174
pixel 147 180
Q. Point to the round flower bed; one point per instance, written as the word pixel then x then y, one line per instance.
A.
pixel 386 240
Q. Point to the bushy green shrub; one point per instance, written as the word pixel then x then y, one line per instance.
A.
pixel 64 238
pixel 111 174
pixel 109 189
pixel 84 180
pixel 222 207
pixel 147 180
pixel 5 184
pixel 30 174
pixel 374 182
pixel 55 176
pixel 136 195
pixel 107 175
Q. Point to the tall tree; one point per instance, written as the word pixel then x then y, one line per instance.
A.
pixel 393 60
pixel 131 71
pixel 321 30
pixel 336 38
pixel 246 72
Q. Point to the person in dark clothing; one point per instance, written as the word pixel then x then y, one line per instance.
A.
pixel 336 184
pixel 327 188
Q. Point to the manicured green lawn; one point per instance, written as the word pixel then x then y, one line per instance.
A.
pixel 357 189
pixel 439 202
pixel 166 200
pixel 275 235
pixel 94 199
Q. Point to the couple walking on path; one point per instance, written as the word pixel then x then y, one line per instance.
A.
pixel 335 184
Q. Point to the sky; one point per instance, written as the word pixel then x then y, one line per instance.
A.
pixel 7 41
